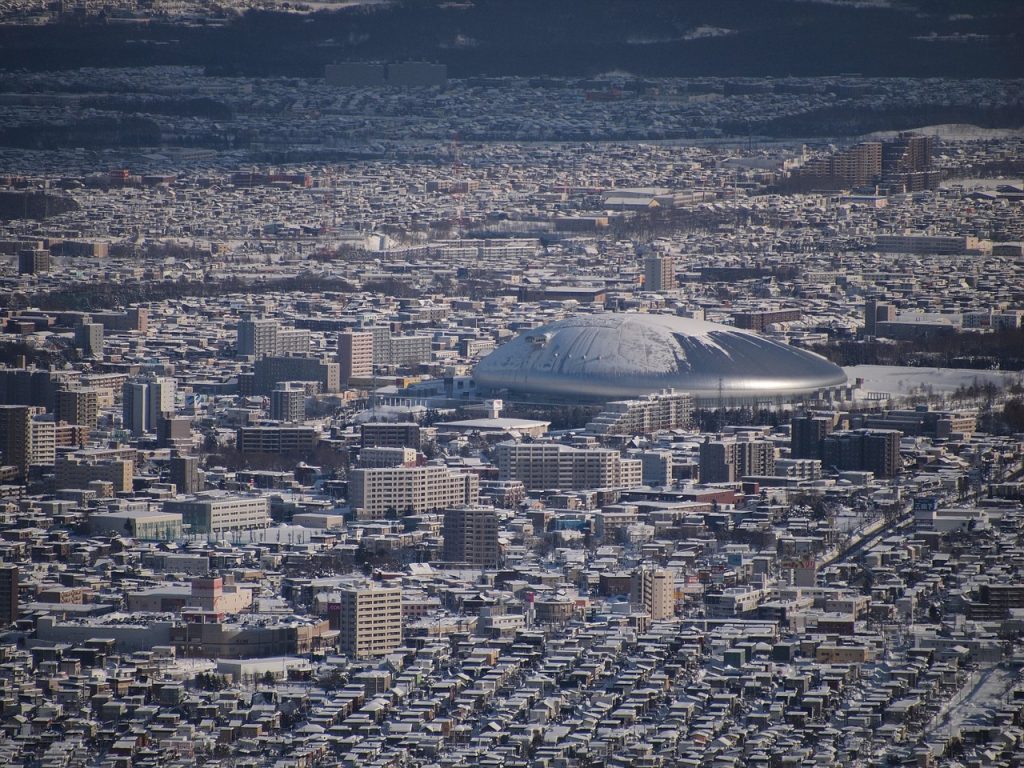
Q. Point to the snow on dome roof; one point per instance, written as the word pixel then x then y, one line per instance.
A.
pixel 629 354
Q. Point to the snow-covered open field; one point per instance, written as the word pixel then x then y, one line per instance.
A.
pixel 899 380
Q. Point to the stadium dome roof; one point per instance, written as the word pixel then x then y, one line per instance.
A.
pixel 621 355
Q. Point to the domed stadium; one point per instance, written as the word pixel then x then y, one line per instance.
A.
pixel 612 356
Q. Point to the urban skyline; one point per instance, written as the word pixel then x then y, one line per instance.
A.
pixel 422 384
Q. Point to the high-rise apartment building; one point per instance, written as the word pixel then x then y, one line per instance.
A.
pixel 277 438
pixel 860 165
pixel 273 369
pixel 135 407
pixel 906 163
pixel 42 440
pixel 79 470
pixel 390 434
pixel 410 350
pixel 174 432
pixel 867 450
pixel 28 437
pixel 656 467
pixel 264 337
pixel 856 166
pixel 288 402
pixel 33 261
pixel 186 475
pixel 8 595
pixel 145 402
pixel 726 461
pixel 659 272
pixel 381 456
pixel 807 433
pixel 378 491
pixel 15 436
pixel 89 338
pixel 541 466
pixel 292 341
pixel 392 351
pixel 370 621
pixel 217 511
pixel 78 406
pixel 755 458
pixel 877 312
pixel 32 386
pixel 644 416
pixel 381 343
pixel 471 536
pixel 718 461
pixel 257 337
pixel 901 164
pixel 355 355
pixel 654 592
pixel 162 392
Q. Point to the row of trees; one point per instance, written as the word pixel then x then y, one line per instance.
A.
pixel 120 295
pixel 34 205
pixel 1002 349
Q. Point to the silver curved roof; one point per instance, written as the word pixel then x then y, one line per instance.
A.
pixel 621 355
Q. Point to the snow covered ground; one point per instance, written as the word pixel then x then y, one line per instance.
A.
pixel 954 132
pixel 897 380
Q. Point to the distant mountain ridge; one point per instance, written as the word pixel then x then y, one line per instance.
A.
pixel 566 38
